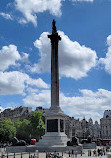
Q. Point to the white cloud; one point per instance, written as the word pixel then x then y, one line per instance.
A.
pixel 1 109
pixel 38 99
pixel 109 40
pixel 8 56
pixel 74 60
pixel 25 57
pixel 89 104
pixel 38 82
pixel 22 21
pixel 30 8
pixel 6 16
pixel 16 82
pixel 32 90
pixel 107 60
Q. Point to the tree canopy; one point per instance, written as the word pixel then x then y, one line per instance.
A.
pixel 32 128
pixel 37 124
pixel 22 129
pixel 7 130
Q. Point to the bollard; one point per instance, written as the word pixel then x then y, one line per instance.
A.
pixel 69 153
pixel 73 153
pixel 81 153
pixel 29 154
pixel 62 153
pixel 7 154
pixel 14 155
pixel 3 156
pixel 21 154
pixel 37 153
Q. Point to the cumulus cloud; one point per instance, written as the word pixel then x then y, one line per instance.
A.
pixel 6 16
pixel 1 109
pixel 30 8
pixel 39 83
pixel 38 99
pixel 89 104
pixel 32 90
pixel 74 60
pixel 16 82
pixel 8 56
pixel 107 60
pixel 25 57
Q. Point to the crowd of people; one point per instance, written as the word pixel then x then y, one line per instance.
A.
pixel 98 152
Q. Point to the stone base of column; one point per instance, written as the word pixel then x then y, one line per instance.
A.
pixel 55 136
pixel 53 139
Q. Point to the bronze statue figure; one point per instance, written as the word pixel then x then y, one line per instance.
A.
pixel 54 27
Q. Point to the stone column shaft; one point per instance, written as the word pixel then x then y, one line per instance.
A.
pixel 54 37
pixel 54 75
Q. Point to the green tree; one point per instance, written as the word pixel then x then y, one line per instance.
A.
pixel 36 124
pixel 22 128
pixel 7 130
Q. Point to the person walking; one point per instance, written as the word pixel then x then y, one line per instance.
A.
pixel 76 154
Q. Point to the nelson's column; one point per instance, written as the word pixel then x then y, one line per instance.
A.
pixel 55 136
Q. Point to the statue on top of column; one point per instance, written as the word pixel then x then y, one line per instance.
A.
pixel 54 27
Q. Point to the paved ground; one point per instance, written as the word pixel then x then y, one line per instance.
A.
pixel 41 155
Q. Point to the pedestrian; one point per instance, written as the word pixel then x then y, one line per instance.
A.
pixel 46 155
pixel 76 154
pixel 81 153
pixel 90 153
pixel 94 153
pixel 98 152
pixel 69 154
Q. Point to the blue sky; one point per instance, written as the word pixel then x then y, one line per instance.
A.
pixel 84 54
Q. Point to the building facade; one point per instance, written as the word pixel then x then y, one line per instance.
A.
pixel 82 128
pixel 105 124
pixel 18 113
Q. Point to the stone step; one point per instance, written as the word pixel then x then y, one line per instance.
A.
pixel 52 142
pixel 49 145
pixel 53 139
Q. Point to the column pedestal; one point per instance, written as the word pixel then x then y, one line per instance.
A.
pixel 55 130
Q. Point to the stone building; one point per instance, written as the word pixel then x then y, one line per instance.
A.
pixel 81 128
pixel 18 113
pixel 70 127
pixel 41 109
pixel 78 129
pixel 97 130
pixel 85 129
pixel 75 127
pixel 105 124
pixel 91 127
